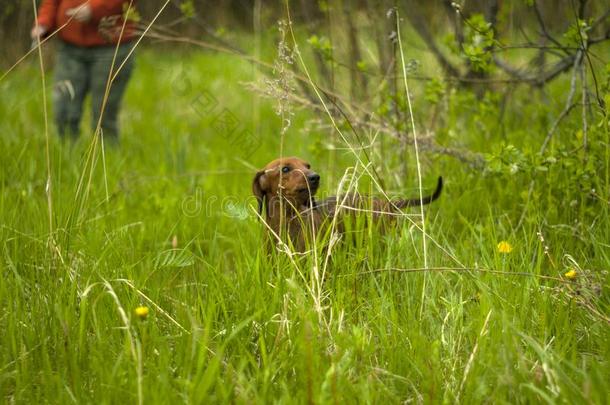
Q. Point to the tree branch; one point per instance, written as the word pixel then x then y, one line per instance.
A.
pixel 543 26
pixel 419 23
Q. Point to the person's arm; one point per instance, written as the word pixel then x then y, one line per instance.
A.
pixel 103 8
pixel 47 14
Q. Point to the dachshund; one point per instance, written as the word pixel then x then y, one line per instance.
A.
pixel 285 190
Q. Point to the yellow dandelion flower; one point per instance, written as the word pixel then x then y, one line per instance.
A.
pixel 571 274
pixel 504 247
pixel 141 312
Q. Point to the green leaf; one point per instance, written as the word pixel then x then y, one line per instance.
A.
pixel 188 8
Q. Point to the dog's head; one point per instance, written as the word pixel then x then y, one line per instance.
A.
pixel 291 178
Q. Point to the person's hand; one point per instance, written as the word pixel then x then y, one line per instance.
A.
pixel 81 13
pixel 38 31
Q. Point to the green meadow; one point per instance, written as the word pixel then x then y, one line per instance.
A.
pixel 507 303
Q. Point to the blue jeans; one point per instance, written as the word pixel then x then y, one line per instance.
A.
pixel 80 70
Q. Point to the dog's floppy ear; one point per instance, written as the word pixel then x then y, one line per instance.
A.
pixel 259 188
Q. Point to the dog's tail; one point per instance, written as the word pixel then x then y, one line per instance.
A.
pixel 416 202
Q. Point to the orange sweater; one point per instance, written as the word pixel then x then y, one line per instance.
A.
pixel 104 28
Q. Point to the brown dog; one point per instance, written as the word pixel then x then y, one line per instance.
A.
pixel 286 187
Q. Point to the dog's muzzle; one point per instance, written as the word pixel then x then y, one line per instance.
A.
pixel 313 180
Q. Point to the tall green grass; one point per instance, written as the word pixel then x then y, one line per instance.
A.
pixel 227 321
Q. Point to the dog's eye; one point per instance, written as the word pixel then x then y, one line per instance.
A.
pixel 285 169
pixel 308 166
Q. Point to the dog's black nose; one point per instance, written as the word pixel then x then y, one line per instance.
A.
pixel 314 178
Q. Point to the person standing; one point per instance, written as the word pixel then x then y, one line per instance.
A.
pixel 89 32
